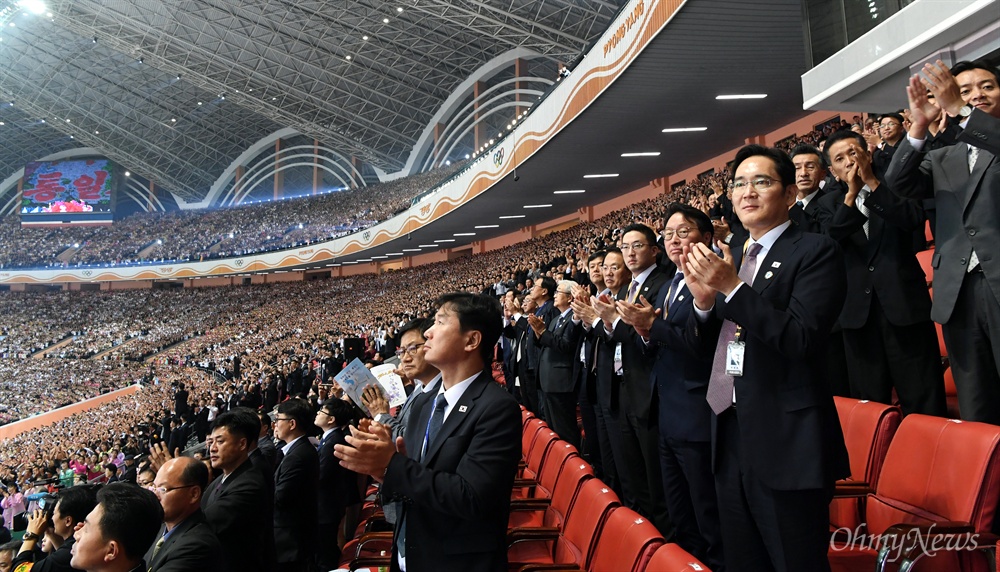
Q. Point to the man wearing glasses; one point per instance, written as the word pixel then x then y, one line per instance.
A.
pixel 890 128
pixel 186 541
pixel 558 341
pixel 413 367
pixel 296 481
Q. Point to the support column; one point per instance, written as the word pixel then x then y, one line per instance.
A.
pixel 279 179
pixel 152 195
pixel 316 176
pixel 237 183
pixel 479 139
pixel 520 66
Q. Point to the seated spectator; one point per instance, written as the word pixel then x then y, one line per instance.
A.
pixel 187 541
pixel 7 551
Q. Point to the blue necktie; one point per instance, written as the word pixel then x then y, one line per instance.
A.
pixel 675 285
pixel 435 422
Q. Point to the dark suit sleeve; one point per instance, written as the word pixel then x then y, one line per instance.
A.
pixel 481 483
pixel 193 552
pixel 905 214
pixel 677 336
pixel 565 343
pixel 817 295
pixel 983 131
pixel 909 173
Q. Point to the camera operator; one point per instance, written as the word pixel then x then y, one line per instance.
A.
pixel 57 524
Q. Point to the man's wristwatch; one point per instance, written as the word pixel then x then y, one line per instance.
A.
pixel 31 536
pixel 965 111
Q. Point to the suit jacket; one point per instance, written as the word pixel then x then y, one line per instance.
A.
pixel 680 373
pixel 789 430
pixel 296 482
pixel 190 546
pixel 460 490
pixel 338 487
pixel 517 332
pixel 547 312
pixel 636 368
pixel 967 204
pixel 401 419
pixel 812 217
pixel 881 264
pixel 559 349
pixel 241 518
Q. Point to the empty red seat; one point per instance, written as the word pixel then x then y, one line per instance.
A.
pixel 673 558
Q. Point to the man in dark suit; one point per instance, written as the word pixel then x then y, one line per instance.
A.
pixel 886 320
pixel 585 373
pixel 180 400
pixel 516 329
pixel 964 181
pixel 607 379
pixel 454 468
pixel 557 341
pixel 236 504
pixel 337 487
pixel 777 443
pixel 119 530
pixel 295 488
pixel 810 171
pixel 186 541
pixel 680 380
pixel 265 442
pixel 638 423
pixel 541 294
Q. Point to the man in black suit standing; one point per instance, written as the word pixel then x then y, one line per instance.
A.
pixel 778 447
pixel 236 504
pixel 680 380
pixel 964 181
pixel 638 423
pixel 887 328
pixel 186 541
pixel 180 400
pixel 295 488
pixel 454 468
pixel 541 294
pixel 338 487
pixel 810 173
pixel 558 341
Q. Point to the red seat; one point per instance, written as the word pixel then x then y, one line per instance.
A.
pixel 571 544
pixel 534 512
pixel 544 482
pixel 940 472
pixel 924 257
pixel 868 428
pixel 673 558
pixel 627 542
pixel 537 450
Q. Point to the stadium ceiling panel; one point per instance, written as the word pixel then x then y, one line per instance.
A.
pixel 176 89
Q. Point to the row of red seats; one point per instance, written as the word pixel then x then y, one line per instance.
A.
pixel 922 495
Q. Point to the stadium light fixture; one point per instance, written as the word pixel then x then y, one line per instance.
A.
pixel 569 192
pixel 742 96
pixel 642 154
pixel 600 176
pixel 683 129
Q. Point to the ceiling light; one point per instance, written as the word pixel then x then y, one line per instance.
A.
pixel 683 129
pixel 394 253
pixel 411 250
pixel 352 262
pixel 172 120
pixel 464 234
pixel 428 246
pixel 365 38
pixel 199 103
pixel 570 192
pixel 600 176
pixel 385 20
pixel 379 257
pixel 348 58
pixel 67 121
pixel 488 226
pixel 537 206
pixel 33 6
pixel 742 96
pixel 445 240
pixel 127 174
pixel 642 154
pixel 400 9
pixel 364 260
pixel 97 132
pixel 504 217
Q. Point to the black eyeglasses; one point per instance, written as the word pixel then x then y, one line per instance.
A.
pixel 282 419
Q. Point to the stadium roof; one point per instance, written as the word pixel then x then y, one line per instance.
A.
pixel 176 90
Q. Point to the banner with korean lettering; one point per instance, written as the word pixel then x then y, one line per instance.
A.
pixel 75 186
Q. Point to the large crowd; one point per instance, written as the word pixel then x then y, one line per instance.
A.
pixel 204 234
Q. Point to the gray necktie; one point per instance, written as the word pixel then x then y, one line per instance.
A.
pixel 720 385
pixel 973 155
pixel 862 197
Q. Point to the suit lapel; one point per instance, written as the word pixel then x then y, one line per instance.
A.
pixel 976 176
pixel 773 263
pixel 456 417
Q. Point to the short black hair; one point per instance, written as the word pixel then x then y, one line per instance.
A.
pixel 804 149
pixel 782 162
pixel 77 502
pixel 341 411
pixel 599 254
pixel 241 422
pixel 891 115
pixel 419 324
pixel 643 229
pixel 195 473
pixel 966 65
pixel 132 517
pixel 300 411
pixel 264 418
pixel 841 136
pixel 477 312
pixel 548 284
pixel 691 214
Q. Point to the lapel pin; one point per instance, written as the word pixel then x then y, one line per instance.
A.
pixel 775 264
pixel 768 275
pixel 681 297
pixel 462 409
